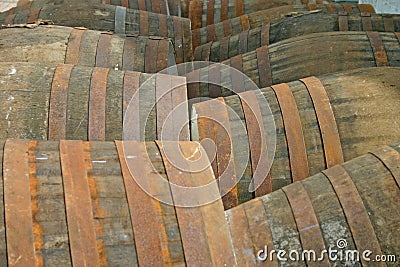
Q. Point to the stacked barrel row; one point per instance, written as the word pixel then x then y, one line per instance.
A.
pixel 329 94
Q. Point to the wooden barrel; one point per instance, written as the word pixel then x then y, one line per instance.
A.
pixel 344 209
pixel 236 25
pixel 156 6
pixel 207 12
pixel 109 18
pixel 79 46
pixel 319 123
pixel 294 26
pixel 304 56
pixel 74 203
pixel 81 103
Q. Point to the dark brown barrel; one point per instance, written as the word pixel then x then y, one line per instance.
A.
pixel 334 210
pixel 236 25
pixel 56 44
pixel 109 18
pixel 319 123
pixel 294 26
pixel 169 7
pixel 76 203
pixel 309 55
pixel 81 103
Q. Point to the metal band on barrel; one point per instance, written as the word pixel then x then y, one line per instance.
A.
pixel 390 157
pixel 18 204
pixel 381 58
pixel 326 121
pixel 97 105
pixel 357 216
pixel 58 102
pixel 78 204
pixel 294 132
pixel 264 66
pixel 73 47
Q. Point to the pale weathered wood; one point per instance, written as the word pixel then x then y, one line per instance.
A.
pixel 26 92
pixel 50 44
pixel 102 18
pixel 365 106
pixel 294 26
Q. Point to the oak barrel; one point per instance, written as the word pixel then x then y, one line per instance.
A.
pixel 169 7
pixel 74 203
pixel 71 202
pixel 49 101
pixel 350 208
pixel 57 44
pixel 310 125
pixel 236 25
pixel 293 26
pixel 203 13
pixel 109 18
pixel 312 54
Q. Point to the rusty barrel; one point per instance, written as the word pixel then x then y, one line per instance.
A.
pixel 348 210
pixel 78 46
pixel 207 12
pixel 75 203
pixel 304 56
pixel 82 103
pixel 108 18
pixel 299 128
pixel 294 26
pixel 236 25
pixel 156 6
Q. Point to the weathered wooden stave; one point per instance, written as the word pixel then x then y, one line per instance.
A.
pixel 160 7
pixel 215 32
pixel 109 18
pixel 295 26
pixel 242 231
pixel 57 44
pixel 36 108
pixel 205 13
pixel 126 233
pixel 328 217
pixel 355 97
pixel 297 57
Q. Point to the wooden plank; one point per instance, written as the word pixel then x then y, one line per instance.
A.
pixel 18 205
pixel 58 102
pixel 78 205
pixel 294 132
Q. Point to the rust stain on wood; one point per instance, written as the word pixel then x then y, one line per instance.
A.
pixel 326 121
pixel 58 102
pixel 294 132
pixel 97 104
pixel 357 216
pixel 18 205
pixel 82 235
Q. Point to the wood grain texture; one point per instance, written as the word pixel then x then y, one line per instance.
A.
pixel 357 96
pixel 38 106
